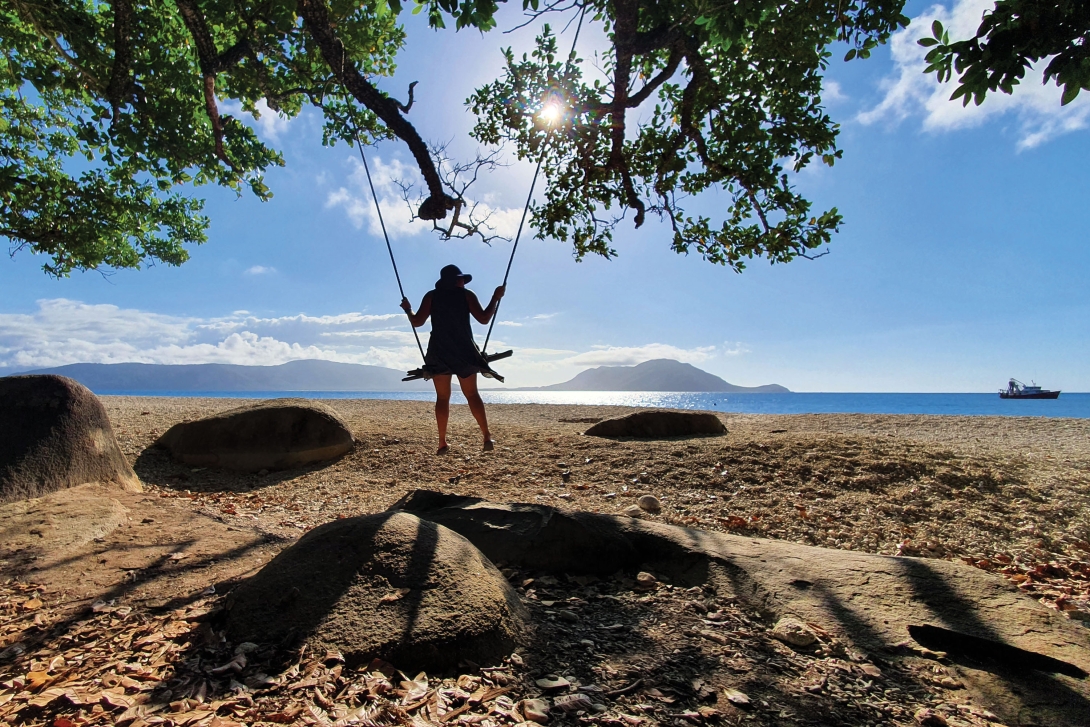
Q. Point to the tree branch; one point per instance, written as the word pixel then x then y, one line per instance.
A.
pixel 664 75
pixel 30 17
pixel 209 61
pixel 119 87
pixel 624 28
pixel 316 17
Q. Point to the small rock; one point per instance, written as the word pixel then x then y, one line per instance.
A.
pixel 929 718
pixel 565 476
pixel 736 697
pixel 571 703
pixel 646 582
pixel 535 710
pixel 791 631
pixel 871 670
pixel 633 511
pixel 650 503
pixel 569 616
pixel 552 681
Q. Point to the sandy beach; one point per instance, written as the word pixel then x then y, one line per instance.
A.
pixel 952 487
pixel 1007 495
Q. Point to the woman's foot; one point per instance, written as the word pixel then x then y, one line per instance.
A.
pixel 443 449
pixel 488 445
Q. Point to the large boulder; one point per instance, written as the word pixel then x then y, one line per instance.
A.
pixel 658 424
pixel 389 586
pixel 54 434
pixel 273 435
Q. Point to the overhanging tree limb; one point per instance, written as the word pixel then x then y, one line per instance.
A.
pixel 316 17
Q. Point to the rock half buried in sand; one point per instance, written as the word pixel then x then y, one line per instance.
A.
pixel 792 631
pixel 272 435
pixel 659 423
pixel 387 586
pixel 54 434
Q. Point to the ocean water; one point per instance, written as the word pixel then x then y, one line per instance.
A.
pixel 1068 405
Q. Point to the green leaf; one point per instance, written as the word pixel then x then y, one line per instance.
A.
pixel 850 54
pixel 936 29
pixel 1071 90
pixel 927 42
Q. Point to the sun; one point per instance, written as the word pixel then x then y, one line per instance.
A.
pixel 551 113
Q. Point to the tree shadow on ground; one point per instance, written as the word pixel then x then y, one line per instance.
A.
pixel 1022 681
pixel 155 466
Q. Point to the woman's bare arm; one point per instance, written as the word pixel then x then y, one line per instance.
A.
pixel 417 319
pixel 484 315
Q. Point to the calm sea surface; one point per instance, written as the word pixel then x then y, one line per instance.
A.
pixel 1068 405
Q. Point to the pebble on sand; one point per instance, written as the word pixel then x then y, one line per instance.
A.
pixel 535 710
pixel 650 503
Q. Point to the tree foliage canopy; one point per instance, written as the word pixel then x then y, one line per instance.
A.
pixel 111 108
pixel 1011 38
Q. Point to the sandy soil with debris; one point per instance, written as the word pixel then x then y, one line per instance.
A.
pixel 121 631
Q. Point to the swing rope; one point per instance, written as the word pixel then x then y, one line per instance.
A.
pixel 522 221
pixel 529 197
pixel 389 248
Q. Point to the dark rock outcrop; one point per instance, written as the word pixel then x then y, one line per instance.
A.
pixel 659 424
pixel 1016 656
pixel 272 435
pixel 55 434
pixel 388 586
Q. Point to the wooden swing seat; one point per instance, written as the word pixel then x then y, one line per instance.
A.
pixel 423 373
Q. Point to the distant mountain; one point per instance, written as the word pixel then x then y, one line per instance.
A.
pixel 305 375
pixel 658 375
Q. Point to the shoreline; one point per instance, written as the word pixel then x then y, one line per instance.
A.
pixel 1073 407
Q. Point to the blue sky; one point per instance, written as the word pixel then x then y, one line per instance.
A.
pixel 961 262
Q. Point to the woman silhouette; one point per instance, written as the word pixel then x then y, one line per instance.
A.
pixel 451 348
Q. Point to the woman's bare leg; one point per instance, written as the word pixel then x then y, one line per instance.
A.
pixel 476 406
pixel 442 407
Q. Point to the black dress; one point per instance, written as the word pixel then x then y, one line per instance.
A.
pixel 451 348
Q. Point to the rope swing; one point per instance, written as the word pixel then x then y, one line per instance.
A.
pixel 422 372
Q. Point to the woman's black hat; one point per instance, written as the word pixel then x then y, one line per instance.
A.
pixel 449 274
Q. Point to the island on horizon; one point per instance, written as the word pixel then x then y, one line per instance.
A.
pixel 322 375
pixel 661 374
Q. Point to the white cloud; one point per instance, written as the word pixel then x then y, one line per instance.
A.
pixel 259 270
pixel 833 92
pixel 357 202
pixel 511 324
pixel 908 92
pixel 64 331
pixel 271 125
